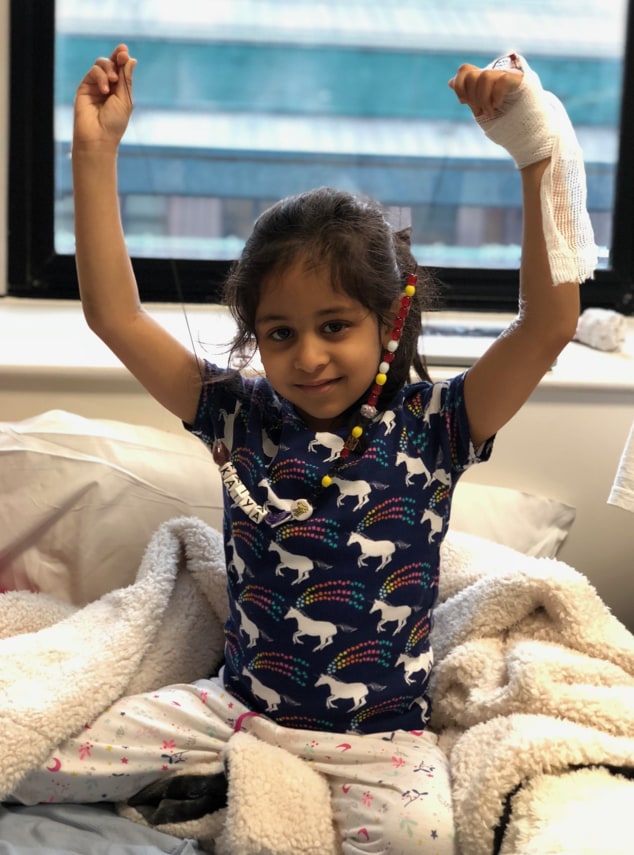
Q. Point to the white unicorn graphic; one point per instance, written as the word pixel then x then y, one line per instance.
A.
pixel 414 664
pixel 266 694
pixel 300 563
pixel 273 499
pixel 435 523
pixel 248 627
pixel 268 446
pixel 414 466
pixel 228 419
pixel 237 564
pixel 357 692
pixel 324 630
pixel 390 614
pixel 433 405
pixel 330 441
pixel 383 549
pixel 388 420
pixel 361 490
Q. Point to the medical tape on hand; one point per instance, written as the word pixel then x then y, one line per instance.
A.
pixel 532 125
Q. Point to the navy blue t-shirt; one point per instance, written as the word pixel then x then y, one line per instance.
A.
pixel 330 617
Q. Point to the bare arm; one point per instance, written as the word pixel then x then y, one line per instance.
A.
pixel 504 377
pixel 108 288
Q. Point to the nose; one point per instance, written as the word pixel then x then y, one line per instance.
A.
pixel 310 354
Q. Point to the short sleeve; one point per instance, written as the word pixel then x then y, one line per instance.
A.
pixel 454 412
pixel 222 394
pixel 438 426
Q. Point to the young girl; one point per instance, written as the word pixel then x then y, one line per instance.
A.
pixel 338 468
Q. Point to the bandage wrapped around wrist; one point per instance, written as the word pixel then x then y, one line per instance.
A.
pixel 533 125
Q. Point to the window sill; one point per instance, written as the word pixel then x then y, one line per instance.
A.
pixel 50 339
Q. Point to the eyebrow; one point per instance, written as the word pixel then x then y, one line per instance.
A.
pixel 272 317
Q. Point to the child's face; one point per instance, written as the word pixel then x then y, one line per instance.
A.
pixel 320 348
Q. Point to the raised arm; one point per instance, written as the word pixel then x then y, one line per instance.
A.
pixel 108 288
pixel 504 377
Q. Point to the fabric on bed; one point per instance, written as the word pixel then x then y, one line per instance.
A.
pixel 81 499
pixel 533 675
pixel 532 524
pixel 582 812
pixel 89 829
pixel 166 628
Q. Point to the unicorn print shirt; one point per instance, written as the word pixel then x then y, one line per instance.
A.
pixel 330 617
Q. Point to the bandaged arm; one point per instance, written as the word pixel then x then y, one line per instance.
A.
pixel 533 125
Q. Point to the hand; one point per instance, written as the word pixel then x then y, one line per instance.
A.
pixel 484 89
pixel 103 102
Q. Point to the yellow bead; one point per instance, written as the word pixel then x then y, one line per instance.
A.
pixel 380 379
pixel 326 481
pixel 410 290
pixel 356 431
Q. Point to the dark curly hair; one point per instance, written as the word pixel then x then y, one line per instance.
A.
pixel 367 260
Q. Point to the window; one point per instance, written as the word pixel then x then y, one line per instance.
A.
pixel 239 102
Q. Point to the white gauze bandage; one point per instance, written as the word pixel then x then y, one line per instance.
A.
pixel 532 124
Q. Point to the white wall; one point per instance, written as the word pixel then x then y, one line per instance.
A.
pixel 566 443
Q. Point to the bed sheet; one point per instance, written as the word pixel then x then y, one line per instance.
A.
pixel 94 829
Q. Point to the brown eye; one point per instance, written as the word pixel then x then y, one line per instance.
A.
pixel 334 327
pixel 281 334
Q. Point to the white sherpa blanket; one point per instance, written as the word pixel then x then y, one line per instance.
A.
pixel 80 660
pixel 534 677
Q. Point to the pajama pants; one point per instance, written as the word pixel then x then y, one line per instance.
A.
pixel 390 791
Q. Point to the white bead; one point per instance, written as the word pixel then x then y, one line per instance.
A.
pixel 392 346
pixel 384 367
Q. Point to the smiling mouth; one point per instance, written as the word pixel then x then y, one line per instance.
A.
pixel 315 388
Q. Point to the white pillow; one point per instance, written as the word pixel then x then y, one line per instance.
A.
pixel 81 499
pixel 535 525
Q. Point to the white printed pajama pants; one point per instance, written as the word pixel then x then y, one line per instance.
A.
pixel 390 792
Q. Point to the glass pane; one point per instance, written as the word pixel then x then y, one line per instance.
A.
pixel 240 102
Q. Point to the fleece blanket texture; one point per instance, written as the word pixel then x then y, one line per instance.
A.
pixel 533 683
pixel 63 665
pixel 533 696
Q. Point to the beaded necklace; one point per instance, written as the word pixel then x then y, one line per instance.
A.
pixel 302 509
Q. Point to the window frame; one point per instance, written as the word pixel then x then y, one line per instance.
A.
pixel 37 271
